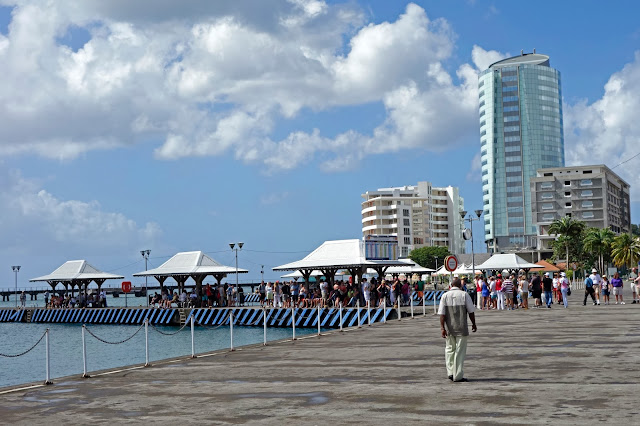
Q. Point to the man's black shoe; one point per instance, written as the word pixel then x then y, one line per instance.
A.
pixel 461 380
pixel 451 377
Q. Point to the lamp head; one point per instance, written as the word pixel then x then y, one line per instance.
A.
pixel 478 213
pixel 15 268
pixel 463 213
pixel 232 245
pixel 240 245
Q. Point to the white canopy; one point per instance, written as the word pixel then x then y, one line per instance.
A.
pixel 337 254
pixel 190 263
pixel 77 272
pixel 506 261
pixel 409 268
pixel 298 274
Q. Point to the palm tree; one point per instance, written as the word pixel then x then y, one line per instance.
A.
pixel 598 242
pixel 568 228
pixel 626 250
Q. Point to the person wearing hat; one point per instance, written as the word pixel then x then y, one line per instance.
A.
pixel 597 282
pixel 563 283
pixel 536 290
pixel 455 306
pixel 500 292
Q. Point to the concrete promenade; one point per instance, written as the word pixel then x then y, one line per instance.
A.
pixel 562 366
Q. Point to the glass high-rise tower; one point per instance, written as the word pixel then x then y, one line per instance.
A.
pixel 521 131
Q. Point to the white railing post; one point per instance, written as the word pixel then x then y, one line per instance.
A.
pixel 368 312
pixel 146 342
pixel 193 336
pixel 435 308
pixel 84 354
pixel 384 311
pixel 358 312
pixel 318 320
pixel 264 320
pixel 231 327
pixel 293 321
pixel 411 302
pixel 398 309
pixel 47 379
pixel 424 303
pixel 340 316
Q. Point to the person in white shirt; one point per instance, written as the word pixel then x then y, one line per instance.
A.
pixel 597 281
pixel 366 291
pixel 455 305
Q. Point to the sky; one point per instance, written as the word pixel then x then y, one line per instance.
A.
pixel 178 126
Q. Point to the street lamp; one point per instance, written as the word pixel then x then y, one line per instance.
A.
pixel 16 269
pixel 145 254
pixel 235 247
pixel 262 272
pixel 471 219
pixel 434 281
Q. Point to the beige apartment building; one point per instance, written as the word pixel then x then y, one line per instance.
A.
pixel 420 216
pixel 592 194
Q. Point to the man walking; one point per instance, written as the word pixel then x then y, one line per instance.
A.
pixel 547 287
pixel 455 305
pixel 596 279
pixel 589 290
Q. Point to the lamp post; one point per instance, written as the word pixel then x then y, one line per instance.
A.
pixel 15 270
pixel 235 247
pixel 262 272
pixel 436 258
pixel 471 219
pixel 145 254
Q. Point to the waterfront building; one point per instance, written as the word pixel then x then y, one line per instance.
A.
pixel 419 215
pixel 592 194
pixel 521 131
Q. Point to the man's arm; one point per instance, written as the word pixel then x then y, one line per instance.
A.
pixel 472 317
pixel 444 330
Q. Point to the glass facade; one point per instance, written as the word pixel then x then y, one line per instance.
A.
pixel 521 131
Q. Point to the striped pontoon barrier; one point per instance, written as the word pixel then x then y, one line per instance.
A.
pixel 11 315
pixel 104 316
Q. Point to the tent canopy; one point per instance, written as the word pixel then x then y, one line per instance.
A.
pixel 506 261
pixel 409 268
pixel 337 254
pixel 189 263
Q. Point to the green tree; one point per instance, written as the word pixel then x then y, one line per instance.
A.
pixel 568 228
pixel 625 250
pixel 426 256
pixel 597 242
pixel 635 230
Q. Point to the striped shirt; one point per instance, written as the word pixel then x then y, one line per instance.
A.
pixel 507 286
pixel 455 305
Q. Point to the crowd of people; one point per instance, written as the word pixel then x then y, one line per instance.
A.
pixel 371 293
pixel 208 296
pixel 81 300
pixel 509 290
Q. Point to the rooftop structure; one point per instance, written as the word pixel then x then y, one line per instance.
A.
pixel 76 273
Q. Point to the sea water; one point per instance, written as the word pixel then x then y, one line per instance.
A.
pixel 66 346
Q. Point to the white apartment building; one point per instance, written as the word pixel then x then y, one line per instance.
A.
pixel 592 194
pixel 420 216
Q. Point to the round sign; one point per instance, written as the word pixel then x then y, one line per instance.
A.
pixel 451 263
pixel 126 286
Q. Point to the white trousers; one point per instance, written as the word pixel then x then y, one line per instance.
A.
pixel 500 300
pixel 455 351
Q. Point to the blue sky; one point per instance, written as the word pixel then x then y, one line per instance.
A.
pixel 174 127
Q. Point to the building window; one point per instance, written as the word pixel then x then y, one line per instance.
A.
pixel 546 185
pixel 587 193
pixel 587 204
pixel 587 215
pixel 405 212
pixel 547 196
pixel 567 183
pixel 407 231
pixel 548 217
pixel 405 222
pixel 547 206
pixel 586 182
pixel 567 194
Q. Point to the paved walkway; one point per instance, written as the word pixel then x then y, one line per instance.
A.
pixel 541 366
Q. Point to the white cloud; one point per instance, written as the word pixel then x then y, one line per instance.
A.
pixel 35 220
pixel 608 130
pixel 209 78
pixel 275 198
pixel 482 59
pixel 475 169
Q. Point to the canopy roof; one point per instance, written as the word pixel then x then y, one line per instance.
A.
pixel 546 267
pixel 337 254
pixel 75 271
pixel 506 261
pixel 409 267
pixel 298 274
pixel 189 263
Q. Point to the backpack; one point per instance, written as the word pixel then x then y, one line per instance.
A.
pixel 588 282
